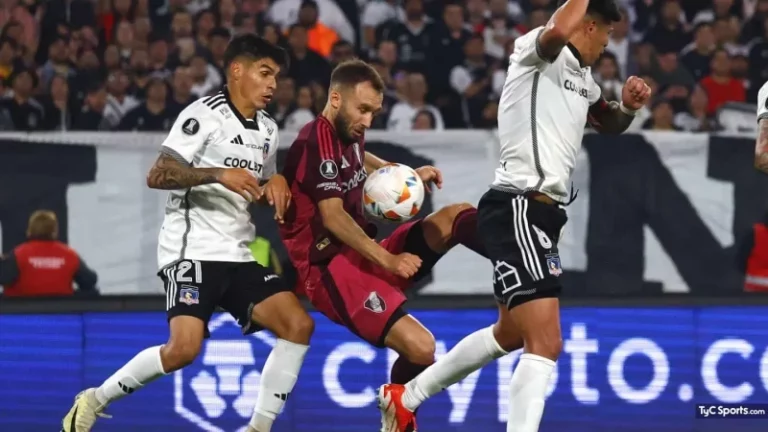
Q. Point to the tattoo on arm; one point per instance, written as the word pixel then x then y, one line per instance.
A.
pixel 761 146
pixel 607 117
pixel 170 173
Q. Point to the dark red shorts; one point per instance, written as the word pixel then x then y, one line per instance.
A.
pixel 358 294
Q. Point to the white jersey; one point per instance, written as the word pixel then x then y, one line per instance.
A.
pixel 762 102
pixel 210 222
pixel 542 114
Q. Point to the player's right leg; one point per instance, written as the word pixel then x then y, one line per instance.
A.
pixel 189 306
pixel 526 285
pixel 259 299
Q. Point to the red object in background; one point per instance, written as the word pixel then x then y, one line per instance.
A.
pixel 46 268
pixel 108 24
pixel 757 264
pixel 721 93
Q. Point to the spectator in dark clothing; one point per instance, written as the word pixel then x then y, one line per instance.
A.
pixel 755 27
pixel 668 34
pixel 245 24
pixel 305 65
pixel 218 39
pixel 57 105
pixel 471 80
pixel 758 65
pixel 71 13
pixel 181 25
pixel 285 100
pixel 8 59
pixel 91 116
pixel 662 117
pixel 153 115
pixel 58 62
pixel 205 23
pixel 140 73
pixel 415 36
pixel 696 57
pixel 24 112
pixel 341 52
pixel 452 35
pixel 158 56
pixel 88 71
pixel 676 82
pixel 181 95
pixel 271 33
pixel 44 266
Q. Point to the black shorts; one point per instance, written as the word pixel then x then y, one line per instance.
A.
pixel 197 288
pixel 521 235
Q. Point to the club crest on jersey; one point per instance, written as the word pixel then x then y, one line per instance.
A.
pixel 553 264
pixel 375 303
pixel 189 295
pixel 328 169
pixel 190 126
pixel 266 147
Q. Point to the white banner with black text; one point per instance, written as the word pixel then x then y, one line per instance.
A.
pixel 656 213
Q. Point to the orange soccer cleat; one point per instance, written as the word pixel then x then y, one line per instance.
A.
pixel 395 417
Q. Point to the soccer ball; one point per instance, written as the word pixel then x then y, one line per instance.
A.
pixel 393 193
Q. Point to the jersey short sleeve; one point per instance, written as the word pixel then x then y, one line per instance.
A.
pixel 190 131
pixel 762 102
pixel 271 145
pixel 527 51
pixel 595 92
pixel 319 174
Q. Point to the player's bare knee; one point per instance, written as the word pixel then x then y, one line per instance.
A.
pixel 420 349
pixel 299 329
pixel 178 354
pixel 548 347
pixel 507 337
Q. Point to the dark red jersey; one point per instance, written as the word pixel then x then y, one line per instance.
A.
pixel 318 167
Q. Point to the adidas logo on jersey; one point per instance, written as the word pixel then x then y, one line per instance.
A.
pixel 238 140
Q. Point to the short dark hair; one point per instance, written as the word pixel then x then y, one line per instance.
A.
pixel 353 72
pixel 607 9
pixel 254 48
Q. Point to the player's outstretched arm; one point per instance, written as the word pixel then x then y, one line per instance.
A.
pixel 169 173
pixel 340 223
pixel 560 27
pixel 761 146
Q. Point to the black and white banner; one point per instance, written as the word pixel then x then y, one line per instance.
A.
pixel 658 212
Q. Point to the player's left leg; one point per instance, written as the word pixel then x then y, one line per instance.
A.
pixel 259 299
pixel 429 238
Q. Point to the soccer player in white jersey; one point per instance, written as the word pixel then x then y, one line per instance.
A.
pixel 212 162
pixel 761 146
pixel 548 96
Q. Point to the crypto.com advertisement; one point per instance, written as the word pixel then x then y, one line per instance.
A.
pixel 620 370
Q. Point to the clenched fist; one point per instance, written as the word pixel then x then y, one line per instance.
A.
pixel 635 93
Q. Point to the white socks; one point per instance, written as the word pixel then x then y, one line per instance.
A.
pixel 528 390
pixel 140 370
pixel 470 354
pixel 277 380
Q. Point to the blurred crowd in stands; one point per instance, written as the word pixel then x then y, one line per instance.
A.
pixel 133 65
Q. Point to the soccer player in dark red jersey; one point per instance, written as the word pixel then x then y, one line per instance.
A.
pixel 348 276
